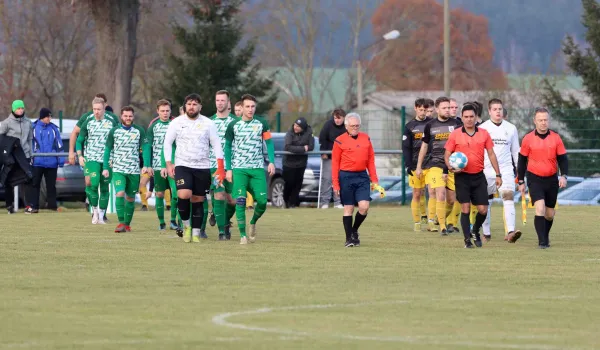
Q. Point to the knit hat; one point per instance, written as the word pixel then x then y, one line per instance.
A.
pixel 302 123
pixel 45 112
pixel 17 104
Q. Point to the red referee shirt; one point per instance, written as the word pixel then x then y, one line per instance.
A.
pixel 473 146
pixel 352 154
pixel 541 152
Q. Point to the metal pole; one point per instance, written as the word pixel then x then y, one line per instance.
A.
pixel 359 86
pixel 320 179
pixel 402 123
pixel 278 120
pixel 447 48
pixel 16 199
pixel 60 121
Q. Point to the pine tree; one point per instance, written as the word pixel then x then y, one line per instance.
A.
pixel 583 123
pixel 213 59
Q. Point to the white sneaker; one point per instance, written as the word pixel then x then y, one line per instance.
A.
pixel 339 206
pixel 252 234
pixel 325 206
pixel 243 240
pixel 101 221
pixel 95 216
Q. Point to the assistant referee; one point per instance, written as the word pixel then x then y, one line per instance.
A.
pixel 470 182
pixel 352 156
pixel 541 150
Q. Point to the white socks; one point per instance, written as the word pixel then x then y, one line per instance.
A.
pixel 488 220
pixel 509 215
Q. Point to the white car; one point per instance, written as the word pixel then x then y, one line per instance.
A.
pixel 585 193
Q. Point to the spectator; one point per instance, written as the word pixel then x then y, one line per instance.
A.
pixel 46 139
pixel 331 130
pixel 299 140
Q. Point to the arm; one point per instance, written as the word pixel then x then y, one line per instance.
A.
pixel 423 150
pixel 288 144
pixel 311 142
pixel 170 137
pixel 336 156
pixel 523 159
pixel 493 160
pixel 266 135
pixel 407 142
pixel 110 141
pixel 371 164
pixel 3 128
pixel 59 147
pixel 147 147
pixel 215 143
pixel 80 139
pixel 447 155
pixel 561 157
pixel 30 138
pixel 146 152
pixel 514 147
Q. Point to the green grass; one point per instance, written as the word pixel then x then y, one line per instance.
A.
pixel 66 284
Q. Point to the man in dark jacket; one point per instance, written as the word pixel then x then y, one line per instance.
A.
pixel 46 139
pixel 333 128
pixel 17 125
pixel 299 140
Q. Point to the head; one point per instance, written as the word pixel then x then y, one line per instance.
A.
pixel 102 96
pixel 478 109
pixel 339 116
pixel 453 108
pixel 442 107
pixel 237 109
pixel 352 123
pixel 222 101
pixel 127 116
pixel 193 105
pixel 163 109
pixel 18 108
pixel 300 125
pixel 468 115
pixel 45 116
pixel 541 119
pixel 248 106
pixel 430 107
pixel 98 107
pixel 421 108
pixel 495 110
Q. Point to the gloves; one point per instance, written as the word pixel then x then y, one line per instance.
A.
pixel 410 171
pixel 219 175
pixel 381 190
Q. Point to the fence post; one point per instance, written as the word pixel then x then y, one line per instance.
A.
pixel 402 123
pixel 278 122
pixel 60 120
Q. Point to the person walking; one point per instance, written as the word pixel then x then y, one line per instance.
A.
pixel 298 140
pixel 333 128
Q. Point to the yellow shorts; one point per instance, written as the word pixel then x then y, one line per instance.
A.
pixel 416 182
pixel 450 183
pixel 434 179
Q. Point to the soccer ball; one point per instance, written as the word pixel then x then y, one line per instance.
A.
pixel 458 160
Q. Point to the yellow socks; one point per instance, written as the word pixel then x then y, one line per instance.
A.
pixel 440 209
pixel 416 210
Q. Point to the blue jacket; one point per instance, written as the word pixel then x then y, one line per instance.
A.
pixel 46 139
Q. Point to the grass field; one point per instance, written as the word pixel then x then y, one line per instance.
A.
pixel 66 284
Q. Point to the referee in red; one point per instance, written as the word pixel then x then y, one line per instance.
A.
pixel 470 182
pixel 541 150
pixel 352 156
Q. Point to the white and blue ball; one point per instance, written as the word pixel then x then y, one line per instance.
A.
pixel 458 160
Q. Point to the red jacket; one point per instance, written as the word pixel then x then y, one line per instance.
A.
pixel 350 154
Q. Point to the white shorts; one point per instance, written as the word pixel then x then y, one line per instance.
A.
pixel 508 180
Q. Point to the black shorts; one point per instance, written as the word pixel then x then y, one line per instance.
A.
pixel 354 187
pixel 543 187
pixel 196 180
pixel 471 188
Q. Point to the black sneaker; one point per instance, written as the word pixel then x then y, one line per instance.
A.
pixel 444 232
pixel 168 207
pixel 450 229
pixel 144 208
pixel 228 232
pixel 455 229
pixel 10 209
pixel 349 244
pixel 468 244
pixel 355 239
pixel 478 243
pixel 179 231
pixel 105 219
pixel 203 235
pixel 222 237
pixel 543 246
pixel 211 219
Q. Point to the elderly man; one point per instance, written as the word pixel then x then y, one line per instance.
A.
pixel 352 157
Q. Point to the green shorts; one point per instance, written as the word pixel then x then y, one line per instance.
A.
pixel 250 180
pixel 227 186
pixel 129 183
pixel 160 184
pixel 94 171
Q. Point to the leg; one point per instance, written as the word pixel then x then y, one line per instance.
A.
pixel 144 190
pixel 120 183
pixel 299 181
pixel 240 187
pixel 94 170
pixel 325 190
pixel 417 185
pixel 440 208
pixel 249 200
pixel 539 221
pixel 160 185
pixel 132 185
pixel 204 215
pixel 198 203
pixel 550 197
pixel 104 192
pixel 431 206
pixel 288 178
pixel 423 205
pixel 50 176
pixel 34 195
pixel 258 188
pixel 450 199
pixel 362 195
pixel 184 181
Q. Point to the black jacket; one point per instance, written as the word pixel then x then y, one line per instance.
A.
pixel 15 168
pixel 295 143
pixel 329 133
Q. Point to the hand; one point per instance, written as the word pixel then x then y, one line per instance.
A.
pixel 498 182
pixel 148 170
pixel 229 176
pixel 306 148
pixel 456 171
pixel 323 156
pixel 337 193
pixel 445 177
pixel 81 161
pixel 171 170
pixel 522 189
pixel 220 176
pixel 418 172
pixel 105 173
pixel 271 169
pixel 164 173
pixel 72 158
pixel 562 182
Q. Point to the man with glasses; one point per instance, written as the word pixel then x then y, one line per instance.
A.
pixel 352 168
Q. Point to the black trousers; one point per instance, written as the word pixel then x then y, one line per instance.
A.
pixel 50 175
pixel 293 178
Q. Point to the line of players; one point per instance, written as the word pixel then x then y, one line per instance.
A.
pixel 423 145
pixel 109 147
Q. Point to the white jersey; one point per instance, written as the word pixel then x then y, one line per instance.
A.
pixel 506 145
pixel 193 139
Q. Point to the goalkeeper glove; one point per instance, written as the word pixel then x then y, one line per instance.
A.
pixel 381 190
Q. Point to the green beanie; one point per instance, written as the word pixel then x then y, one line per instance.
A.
pixel 17 104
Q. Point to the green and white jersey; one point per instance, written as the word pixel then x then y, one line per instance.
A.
pixel 125 145
pixel 94 133
pixel 89 115
pixel 156 138
pixel 247 143
pixel 221 124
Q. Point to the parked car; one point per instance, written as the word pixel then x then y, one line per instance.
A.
pixel 584 193
pixel 393 194
pixel 310 184
pixel 571 181
pixel 70 181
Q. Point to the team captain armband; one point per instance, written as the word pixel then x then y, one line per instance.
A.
pixel 266 135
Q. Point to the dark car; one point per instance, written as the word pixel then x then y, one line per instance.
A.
pixel 310 184
pixel 70 181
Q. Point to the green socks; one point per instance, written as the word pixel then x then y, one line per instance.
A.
pixel 92 196
pixel 174 212
pixel 219 211
pixel 205 217
pixel 103 202
pixel 229 212
pixel 160 209
pixel 129 209
pixel 240 213
pixel 258 212
pixel 120 205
